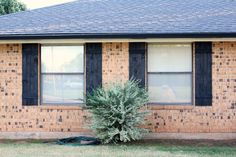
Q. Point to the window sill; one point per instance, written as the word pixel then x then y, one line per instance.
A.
pixel 170 107
pixel 80 107
pixel 62 107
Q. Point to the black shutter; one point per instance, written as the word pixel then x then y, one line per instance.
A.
pixel 137 62
pixel 93 66
pixel 30 74
pixel 203 73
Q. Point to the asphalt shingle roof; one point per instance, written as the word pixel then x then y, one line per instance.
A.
pixel 113 17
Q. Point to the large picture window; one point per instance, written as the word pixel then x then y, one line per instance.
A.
pixel 62 74
pixel 170 73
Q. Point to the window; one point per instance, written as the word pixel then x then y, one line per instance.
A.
pixel 62 74
pixel 170 73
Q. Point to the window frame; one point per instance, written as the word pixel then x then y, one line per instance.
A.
pixel 191 73
pixel 41 74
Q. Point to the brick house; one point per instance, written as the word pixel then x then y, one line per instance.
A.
pixel 184 51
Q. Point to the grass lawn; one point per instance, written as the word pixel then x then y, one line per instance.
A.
pixel 138 149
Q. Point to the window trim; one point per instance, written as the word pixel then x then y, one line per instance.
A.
pixel 59 73
pixel 192 78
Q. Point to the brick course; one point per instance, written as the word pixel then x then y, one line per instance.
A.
pixel 115 57
pixel 220 117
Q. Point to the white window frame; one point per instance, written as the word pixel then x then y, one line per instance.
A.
pixel 191 73
pixel 60 73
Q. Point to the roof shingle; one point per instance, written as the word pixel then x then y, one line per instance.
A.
pixel 84 17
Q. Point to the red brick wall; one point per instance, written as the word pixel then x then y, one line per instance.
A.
pixel 220 117
pixel 14 117
pixel 115 65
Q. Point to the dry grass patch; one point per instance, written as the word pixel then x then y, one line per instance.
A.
pixel 137 149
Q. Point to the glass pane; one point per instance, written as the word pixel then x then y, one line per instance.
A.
pixel 170 88
pixel 58 89
pixel 62 59
pixel 169 58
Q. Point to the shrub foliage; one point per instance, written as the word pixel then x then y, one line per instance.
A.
pixel 11 6
pixel 118 111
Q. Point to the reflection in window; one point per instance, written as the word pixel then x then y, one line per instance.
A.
pixel 170 73
pixel 62 74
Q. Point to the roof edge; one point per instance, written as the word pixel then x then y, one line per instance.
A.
pixel 115 36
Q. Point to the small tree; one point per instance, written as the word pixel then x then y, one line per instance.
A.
pixel 118 111
pixel 11 6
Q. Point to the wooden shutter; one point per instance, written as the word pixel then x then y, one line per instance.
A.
pixel 30 74
pixel 137 64
pixel 93 66
pixel 203 73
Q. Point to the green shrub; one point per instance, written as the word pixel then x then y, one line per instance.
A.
pixel 118 111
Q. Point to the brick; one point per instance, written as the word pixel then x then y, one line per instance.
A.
pixel 220 117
